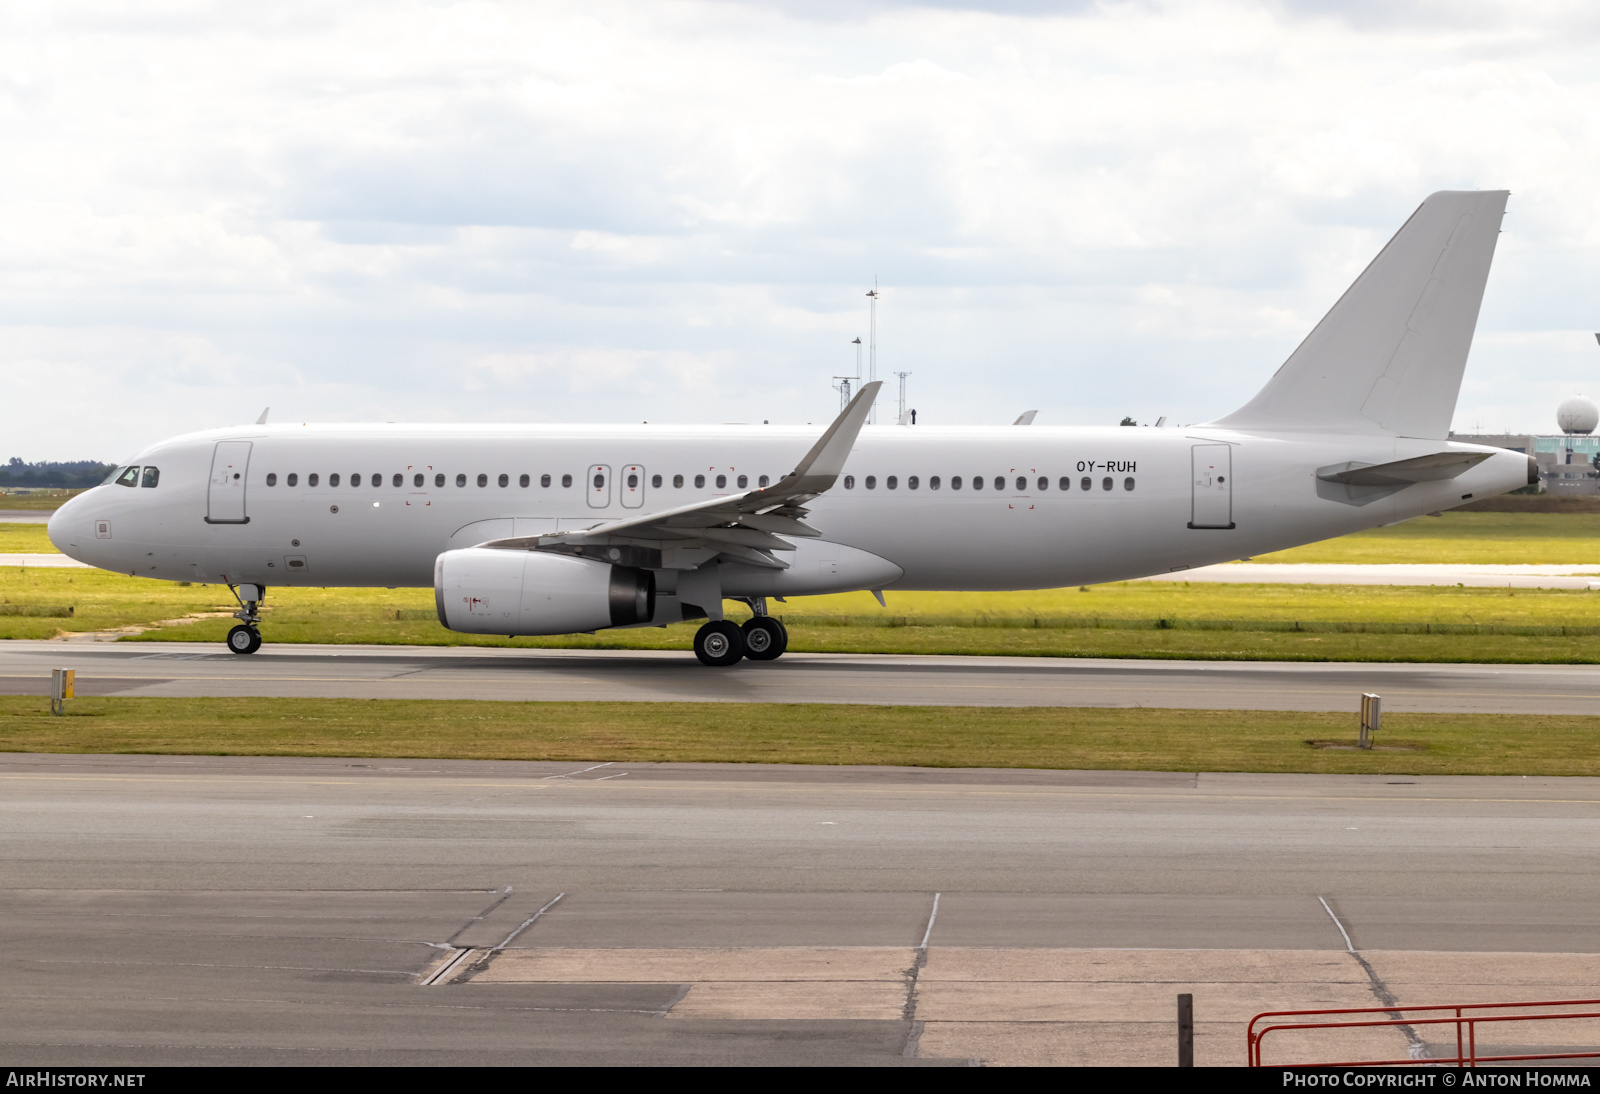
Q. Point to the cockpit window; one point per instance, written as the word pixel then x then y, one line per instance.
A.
pixel 152 476
pixel 129 477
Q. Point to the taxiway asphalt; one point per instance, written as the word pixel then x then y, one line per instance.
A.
pixel 172 669
pixel 171 910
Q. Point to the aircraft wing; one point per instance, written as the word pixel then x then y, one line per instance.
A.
pixel 745 526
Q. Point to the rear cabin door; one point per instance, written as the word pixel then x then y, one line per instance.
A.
pixel 1212 498
pixel 599 486
pixel 230 466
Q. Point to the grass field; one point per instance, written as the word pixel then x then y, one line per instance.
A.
pixel 24 538
pixel 34 503
pixel 1038 737
pixel 1135 619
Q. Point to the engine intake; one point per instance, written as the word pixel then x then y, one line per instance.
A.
pixel 481 590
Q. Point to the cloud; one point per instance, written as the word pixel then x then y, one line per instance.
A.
pixel 605 211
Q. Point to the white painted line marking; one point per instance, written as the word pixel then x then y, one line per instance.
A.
pixel 1348 945
pixel 527 923
pixel 581 770
pixel 933 915
pixel 618 775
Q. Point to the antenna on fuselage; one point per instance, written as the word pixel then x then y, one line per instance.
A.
pixel 263 419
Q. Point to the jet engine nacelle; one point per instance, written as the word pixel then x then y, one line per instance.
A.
pixel 481 590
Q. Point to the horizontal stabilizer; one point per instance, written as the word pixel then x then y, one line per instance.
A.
pixel 1432 468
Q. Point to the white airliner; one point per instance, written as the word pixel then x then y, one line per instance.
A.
pixel 539 530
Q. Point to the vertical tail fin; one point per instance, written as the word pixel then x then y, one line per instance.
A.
pixel 1388 357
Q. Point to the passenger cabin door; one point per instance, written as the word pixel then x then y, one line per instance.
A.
pixel 1211 503
pixel 599 486
pixel 631 488
pixel 230 466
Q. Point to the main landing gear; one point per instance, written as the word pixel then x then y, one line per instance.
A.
pixel 722 643
pixel 245 638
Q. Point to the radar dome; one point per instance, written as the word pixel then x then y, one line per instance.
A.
pixel 1577 414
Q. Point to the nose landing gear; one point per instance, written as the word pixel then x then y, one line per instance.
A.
pixel 245 638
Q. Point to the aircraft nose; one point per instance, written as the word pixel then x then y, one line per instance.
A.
pixel 64 526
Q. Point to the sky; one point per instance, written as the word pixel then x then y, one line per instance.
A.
pixel 672 211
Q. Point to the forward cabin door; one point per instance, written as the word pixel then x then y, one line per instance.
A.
pixel 1212 498
pixel 230 466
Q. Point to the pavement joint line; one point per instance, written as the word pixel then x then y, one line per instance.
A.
pixel 528 923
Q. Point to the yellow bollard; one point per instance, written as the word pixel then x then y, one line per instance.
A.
pixel 61 689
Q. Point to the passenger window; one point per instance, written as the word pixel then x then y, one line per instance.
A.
pixel 911 483
pixel 311 479
pixel 504 481
pixel 151 476
pixel 744 481
pixel 416 481
pixel 399 479
pixel 677 482
pixel 544 480
pixel 762 482
pixel 999 482
pixel 699 482
pixel 483 480
pixel 722 482
pixel 272 478
pixel 333 479
pixel 1066 483
pixel 438 480
pixel 599 481
pixel 933 482
pixel 1087 483
pixel 977 482
pixel 633 482
pixel 355 480
pixel 130 477
pixel 655 481
pixel 1127 484
pixel 1022 484
pixel 293 479
pixel 849 482
pixel 871 482
pixel 891 482
pixel 377 480
pixel 566 480
pixel 1044 483
pixel 1105 483
pixel 955 482
pixel 461 480
pixel 524 481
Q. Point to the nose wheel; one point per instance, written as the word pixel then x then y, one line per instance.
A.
pixel 245 638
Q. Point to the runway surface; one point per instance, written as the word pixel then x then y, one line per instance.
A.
pixel 211 910
pixel 442 672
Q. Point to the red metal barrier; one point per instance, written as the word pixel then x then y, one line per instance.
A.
pixel 1466 1030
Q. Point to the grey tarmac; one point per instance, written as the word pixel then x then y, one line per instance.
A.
pixel 172 669
pixel 171 910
